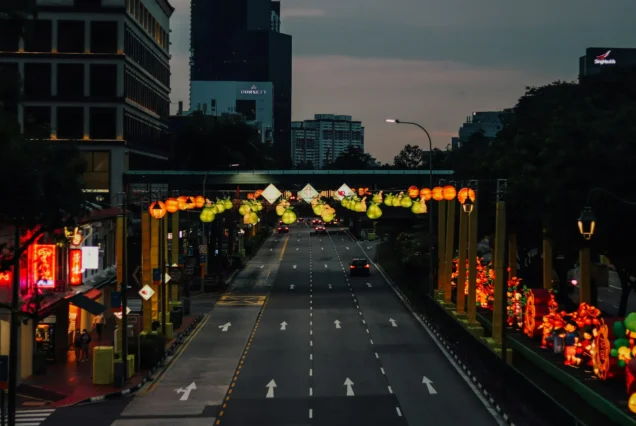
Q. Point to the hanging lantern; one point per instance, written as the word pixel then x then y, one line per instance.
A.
pixel 250 196
pixel 258 193
pixel 172 205
pixel 207 214
pixel 426 194
pixel 464 194
pixel 157 209
pixel 413 191
pixel 199 201
pixel 190 204
pixel 436 194
pixel 449 192
pixel 183 201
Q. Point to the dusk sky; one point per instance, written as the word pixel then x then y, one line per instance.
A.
pixel 430 61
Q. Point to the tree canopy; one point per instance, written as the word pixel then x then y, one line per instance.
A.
pixel 412 157
pixel 353 158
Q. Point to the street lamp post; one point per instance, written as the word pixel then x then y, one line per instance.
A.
pixel 430 184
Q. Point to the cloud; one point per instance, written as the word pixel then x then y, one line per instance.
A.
pixel 437 94
pixel 301 13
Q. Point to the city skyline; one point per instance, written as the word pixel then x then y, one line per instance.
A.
pixel 413 61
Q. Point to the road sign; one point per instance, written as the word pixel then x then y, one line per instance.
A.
pixel 203 258
pixel 146 292
pixel 137 275
pixel 308 193
pixel 115 299
pixel 271 193
pixel 175 274
pixel 190 264
pixel 203 249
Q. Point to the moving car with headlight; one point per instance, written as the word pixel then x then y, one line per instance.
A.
pixel 360 267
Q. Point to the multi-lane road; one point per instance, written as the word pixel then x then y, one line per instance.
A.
pixel 300 342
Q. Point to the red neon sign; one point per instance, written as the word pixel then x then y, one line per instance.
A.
pixel 6 278
pixel 43 264
pixel 75 267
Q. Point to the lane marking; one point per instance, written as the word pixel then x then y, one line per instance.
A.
pixel 282 253
pixel 377 356
pixel 311 413
pixel 311 391
pixel 311 372
pixel 382 370
pixel 399 412
pixel 390 390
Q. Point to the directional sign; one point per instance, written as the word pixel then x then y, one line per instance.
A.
pixel 203 249
pixel 185 392
pixel 271 193
pixel 270 389
pixel 337 323
pixel 137 275
pixel 349 384
pixel 175 274
pixel 146 292
pixel 429 385
pixel 291 286
pixel 342 192
pixel 393 323
pixel 369 285
pixel 283 326
pixel 225 327
pixel 308 193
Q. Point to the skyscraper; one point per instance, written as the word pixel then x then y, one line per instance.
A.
pixel 240 40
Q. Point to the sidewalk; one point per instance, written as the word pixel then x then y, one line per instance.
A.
pixel 71 382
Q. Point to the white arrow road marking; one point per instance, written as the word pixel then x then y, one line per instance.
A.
pixel 337 323
pixel 429 385
pixel 325 266
pixel 225 326
pixel 393 323
pixel 271 249
pixel 291 286
pixel 348 383
pixel 347 248
pixel 294 266
pixel 283 326
pixel 369 285
pixel 368 247
pixel 270 389
pixel 329 286
pixel 186 391
pixel 296 248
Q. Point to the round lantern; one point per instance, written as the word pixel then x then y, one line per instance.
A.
pixel 157 209
pixel 413 191
pixel 426 194
pixel 190 204
pixel 172 205
pixel 199 201
pixel 449 192
pixel 436 194
pixel 207 214
pixel 183 201
pixel 258 193
pixel 464 194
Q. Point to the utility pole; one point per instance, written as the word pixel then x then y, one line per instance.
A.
pixel 14 328
pixel 162 270
pixel 123 287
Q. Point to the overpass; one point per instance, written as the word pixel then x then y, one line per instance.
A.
pixel 291 180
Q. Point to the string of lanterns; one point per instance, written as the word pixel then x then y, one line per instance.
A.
pixel 209 208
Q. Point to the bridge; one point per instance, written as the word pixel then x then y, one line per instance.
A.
pixel 292 180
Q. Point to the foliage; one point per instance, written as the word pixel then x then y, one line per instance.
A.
pixel 150 347
pixel 353 158
pixel 412 157
pixel 210 143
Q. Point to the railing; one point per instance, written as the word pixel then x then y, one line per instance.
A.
pixel 379 172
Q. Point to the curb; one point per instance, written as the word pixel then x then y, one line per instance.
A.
pixel 177 341
pixel 431 328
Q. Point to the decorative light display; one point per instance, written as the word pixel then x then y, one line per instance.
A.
pixel 43 264
pixel 75 267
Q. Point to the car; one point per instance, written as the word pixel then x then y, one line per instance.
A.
pixel 316 222
pixel 283 229
pixel 321 230
pixel 360 266
pixel 300 220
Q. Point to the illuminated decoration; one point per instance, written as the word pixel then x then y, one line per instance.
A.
pixel 362 191
pixel 413 191
pixel 157 209
pixel 485 278
pixel 271 193
pixel 258 193
pixel 449 192
pixel 536 308
pixel 466 194
pixel 74 236
pixel 587 223
pixel 6 278
pixel 343 191
pixel 172 205
pixel 426 194
pixel 437 194
pixel 199 201
pixel 183 201
pixel 146 292
pixel 75 267
pixel 208 214
pixel 602 59
pixel 43 264
pixel 191 203
pixel 308 193
pixel 601 356
pixel 250 196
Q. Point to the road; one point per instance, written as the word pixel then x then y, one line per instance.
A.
pixel 300 342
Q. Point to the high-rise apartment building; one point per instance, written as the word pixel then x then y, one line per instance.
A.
pixel 96 72
pixel 488 122
pixel 240 41
pixel 320 141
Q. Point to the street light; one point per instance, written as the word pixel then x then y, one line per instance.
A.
pixel 158 211
pixel 468 206
pixel 430 184
pixel 587 223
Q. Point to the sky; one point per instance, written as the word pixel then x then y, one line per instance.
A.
pixel 429 61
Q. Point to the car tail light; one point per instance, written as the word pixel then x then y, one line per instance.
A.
pixel 280 229
pixel 352 267
pixel 366 266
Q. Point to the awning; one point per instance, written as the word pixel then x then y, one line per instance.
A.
pixel 87 304
pixel 93 294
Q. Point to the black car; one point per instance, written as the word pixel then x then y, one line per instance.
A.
pixel 283 229
pixel 360 267
pixel 321 230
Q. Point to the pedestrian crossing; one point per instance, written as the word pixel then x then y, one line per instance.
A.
pixel 30 417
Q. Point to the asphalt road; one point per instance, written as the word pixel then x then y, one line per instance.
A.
pixel 324 349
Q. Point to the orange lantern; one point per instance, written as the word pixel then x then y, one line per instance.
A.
pixel 190 204
pixel 436 194
pixel 464 194
pixel 258 193
pixel 250 196
pixel 183 201
pixel 172 205
pixel 199 201
pixel 426 194
pixel 449 192
pixel 413 191
pixel 157 209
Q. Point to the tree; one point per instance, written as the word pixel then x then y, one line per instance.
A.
pixel 353 158
pixel 411 157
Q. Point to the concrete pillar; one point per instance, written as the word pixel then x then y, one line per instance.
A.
pixel 87 36
pixel 500 300
pixel 25 354
pixel 547 261
pixel 585 278
pixel 54 35
pixel 120 36
pixel 461 266
pixel 441 242
pixel 53 78
pixel 154 261
pixel 450 250
pixel 87 80
pixel 119 251
pixel 87 122
pixel 119 126
pixel 54 122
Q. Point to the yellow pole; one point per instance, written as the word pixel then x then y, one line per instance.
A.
pixel 441 242
pixel 499 293
pixel 154 253
pixel 164 270
pixel 547 261
pixel 450 250
pixel 585 279
pixel 175 253
pixel 461 268
pixel 146 267
pixel 472 266
pixel 119 251
pixel 512 256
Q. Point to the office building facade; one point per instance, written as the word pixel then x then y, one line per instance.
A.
pixel 240 40
pixel 487 122
pixel 320 141
pixel 96 72
pixel 602 60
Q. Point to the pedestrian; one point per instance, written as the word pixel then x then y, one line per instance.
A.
pixel 98 323
pixel 85 341
pixel 77 345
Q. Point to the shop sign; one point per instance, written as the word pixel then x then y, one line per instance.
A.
pixel 6 278
pixel 90 257
pixel 75 267
pixel 43 264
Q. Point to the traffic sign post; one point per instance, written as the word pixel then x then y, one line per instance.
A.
pixel 203 249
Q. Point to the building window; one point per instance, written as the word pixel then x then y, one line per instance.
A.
pixel 97 169
pixel 70 36
pixel 103 80
pixel 103 37
pixel 70 80
pixel 103 123
pixel 37 80
pixel 70 122
pixel 37 122
pixel 38 36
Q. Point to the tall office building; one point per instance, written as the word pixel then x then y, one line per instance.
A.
pixel 320 141
pixel 240 41
pixel 488 122
pixel 603 60
pixel 96 72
